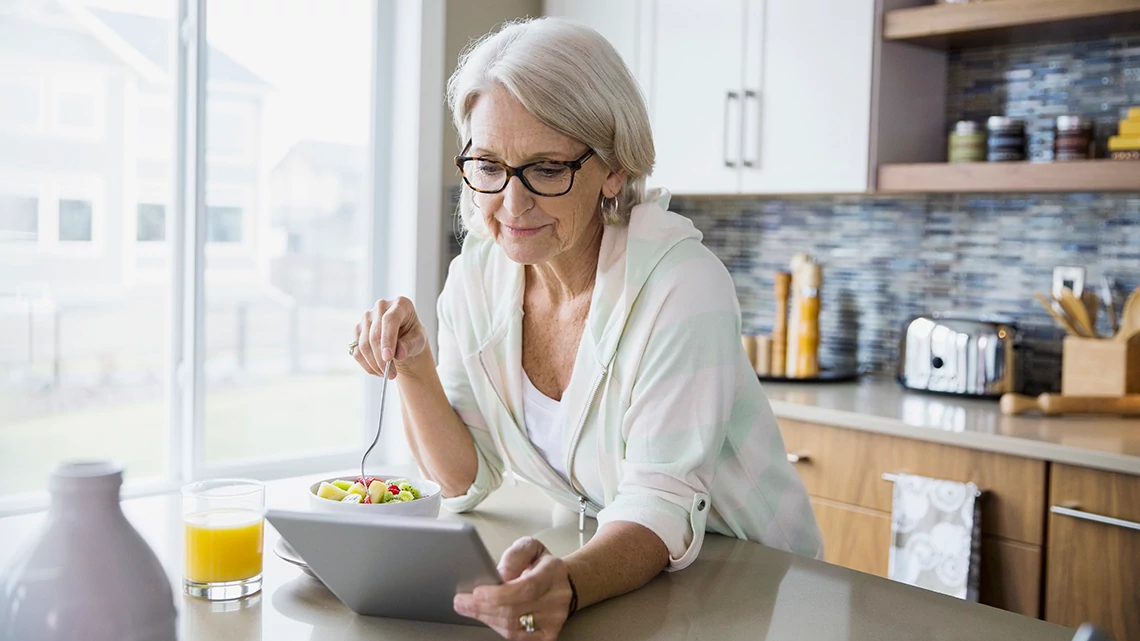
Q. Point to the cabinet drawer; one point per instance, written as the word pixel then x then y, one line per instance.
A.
pixel 847 465
pixel 1093 564
pixel 853 537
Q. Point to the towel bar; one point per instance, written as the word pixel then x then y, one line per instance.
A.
pixel 891 478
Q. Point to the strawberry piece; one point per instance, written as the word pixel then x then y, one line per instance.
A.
pixel 367 499
pixel 368 481
pixel 394 489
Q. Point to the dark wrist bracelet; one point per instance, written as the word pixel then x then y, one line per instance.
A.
pixel 573 596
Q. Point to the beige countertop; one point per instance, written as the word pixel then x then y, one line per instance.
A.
pixel 734 590
pixel 881 405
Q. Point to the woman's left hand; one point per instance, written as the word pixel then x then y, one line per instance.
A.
pixel 535 583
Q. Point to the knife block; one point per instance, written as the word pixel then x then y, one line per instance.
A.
pixel 1100 366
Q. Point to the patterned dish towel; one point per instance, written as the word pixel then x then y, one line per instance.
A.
pixel 936 535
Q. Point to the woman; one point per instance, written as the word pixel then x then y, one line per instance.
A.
pixel 588 341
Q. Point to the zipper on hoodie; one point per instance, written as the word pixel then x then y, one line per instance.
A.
pixel 583 502
pixel 581 492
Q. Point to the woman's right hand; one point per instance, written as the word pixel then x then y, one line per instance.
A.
pixel 390 330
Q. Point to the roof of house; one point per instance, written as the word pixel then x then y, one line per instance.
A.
pixel 150 37
pixel 329 156
pixel 36 39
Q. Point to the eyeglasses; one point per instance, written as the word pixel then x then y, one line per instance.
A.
pixel 543 178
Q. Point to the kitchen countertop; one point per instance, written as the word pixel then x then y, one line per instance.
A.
pixel 881 405
pixel 734 590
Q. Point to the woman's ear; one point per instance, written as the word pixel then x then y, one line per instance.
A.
pixel 613 183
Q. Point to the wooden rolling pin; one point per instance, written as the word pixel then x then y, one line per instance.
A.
pixel 780 324
pixel 1054 404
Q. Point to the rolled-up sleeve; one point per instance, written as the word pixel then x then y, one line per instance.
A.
pixel 457 386
pixel 680 407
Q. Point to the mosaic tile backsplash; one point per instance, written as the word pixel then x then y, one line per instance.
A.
pixel 887 259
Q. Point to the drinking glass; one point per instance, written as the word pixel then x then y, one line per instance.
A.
pixel 224 526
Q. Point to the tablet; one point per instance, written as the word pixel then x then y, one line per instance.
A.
pixel 399 567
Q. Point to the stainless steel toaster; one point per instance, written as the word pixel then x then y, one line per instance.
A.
pixel 960 354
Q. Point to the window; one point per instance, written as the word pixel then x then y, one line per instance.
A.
pixel 78 106
pixel 21 110
pixel 223 224
pixel 19 218
pixel 155 113
pixel 278 380
pixel 151 222
pixel 76 110
pixel 230 131
pixel 85 353
pixel 75 218
pixel 97 322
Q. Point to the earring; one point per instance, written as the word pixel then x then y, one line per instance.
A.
pixel 609 207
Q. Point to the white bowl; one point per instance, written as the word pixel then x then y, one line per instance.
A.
pixel 427 506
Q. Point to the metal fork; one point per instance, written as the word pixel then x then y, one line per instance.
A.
pixel 379 423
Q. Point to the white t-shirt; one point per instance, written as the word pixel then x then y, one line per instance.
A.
pixel 543 417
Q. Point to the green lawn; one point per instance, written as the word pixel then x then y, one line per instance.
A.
pixel 288 416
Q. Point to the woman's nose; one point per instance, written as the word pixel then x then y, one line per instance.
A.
pixel 517 199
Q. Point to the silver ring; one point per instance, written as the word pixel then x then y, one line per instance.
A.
pixel 352 348
pixel 527 622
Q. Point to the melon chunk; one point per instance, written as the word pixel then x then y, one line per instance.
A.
pixel 331 492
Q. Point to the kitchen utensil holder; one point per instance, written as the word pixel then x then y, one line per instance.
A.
pixel 1100 366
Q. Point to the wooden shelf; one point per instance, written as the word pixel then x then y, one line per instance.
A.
pixel 1006 177
pixel 996 22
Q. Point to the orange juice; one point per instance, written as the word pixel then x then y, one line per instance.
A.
pixel 223 545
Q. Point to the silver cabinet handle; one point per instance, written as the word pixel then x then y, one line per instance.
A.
pixel 729 97
pixel 1078 513
pixel 750 95
pixel 798 457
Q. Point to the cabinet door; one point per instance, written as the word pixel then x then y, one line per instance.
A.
pixel 618 22
pixel 1094 551
pixel 698 52
pixel 808 76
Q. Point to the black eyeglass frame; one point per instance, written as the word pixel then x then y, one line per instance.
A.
pixel 573 165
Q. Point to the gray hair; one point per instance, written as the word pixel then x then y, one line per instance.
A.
pixel 575 82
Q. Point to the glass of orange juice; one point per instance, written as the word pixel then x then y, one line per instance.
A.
pixel 224 528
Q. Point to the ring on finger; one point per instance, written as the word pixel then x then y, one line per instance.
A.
pixel 527 622
pixel 352 347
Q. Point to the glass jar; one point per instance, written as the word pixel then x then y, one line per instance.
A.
pixel 967 142
pixel 1073 139
pixel 1006 141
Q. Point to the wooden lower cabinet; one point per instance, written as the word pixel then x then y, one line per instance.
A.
pixel 1093 568
pixel 847 466
pixel 859 538
pixel 853 537
pixel 1011 576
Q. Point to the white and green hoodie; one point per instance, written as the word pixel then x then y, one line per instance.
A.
pixel 665 423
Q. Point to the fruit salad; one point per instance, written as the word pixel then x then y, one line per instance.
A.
pixel 368 490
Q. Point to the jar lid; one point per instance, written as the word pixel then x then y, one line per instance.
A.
pixel 1072 123
pixel 966 127
pixel 1005 122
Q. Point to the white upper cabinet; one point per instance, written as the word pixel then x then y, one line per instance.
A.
pixel 749 96
pixel 807 86
pixel 696 96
